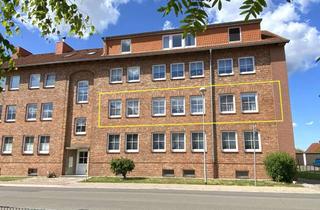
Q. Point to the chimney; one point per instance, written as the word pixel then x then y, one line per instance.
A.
pixel 62 47
pixel 21 52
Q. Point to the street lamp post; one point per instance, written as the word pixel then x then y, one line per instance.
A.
pixel 205 176
pixel 254 155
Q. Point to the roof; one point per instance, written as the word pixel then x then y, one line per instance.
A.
pixel 97 53
pixel 314 148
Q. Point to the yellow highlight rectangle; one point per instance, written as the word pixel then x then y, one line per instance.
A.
pixel 191 123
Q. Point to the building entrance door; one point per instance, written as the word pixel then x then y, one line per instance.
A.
pixel 82 162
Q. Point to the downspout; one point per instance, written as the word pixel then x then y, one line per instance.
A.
pixel 212 108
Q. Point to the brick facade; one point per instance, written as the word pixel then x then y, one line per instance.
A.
pixel 269 62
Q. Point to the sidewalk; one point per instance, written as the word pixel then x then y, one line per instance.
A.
pixel 75 182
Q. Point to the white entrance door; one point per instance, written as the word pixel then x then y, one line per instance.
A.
pixel 82 162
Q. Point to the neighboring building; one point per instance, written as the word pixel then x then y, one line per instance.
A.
pixel 308 157
pixel 314 148
pixel 151 107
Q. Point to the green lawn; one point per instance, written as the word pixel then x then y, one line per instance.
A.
pixel 185 181
pixel 315 175
pixel 10 178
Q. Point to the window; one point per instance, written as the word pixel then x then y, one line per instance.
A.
pixel 126 46
pixel 47 109
pixel 189 173
pixel 132 143
pixel 225 66
pixel 28 145
pixel 31 112
pixel 246 65
pixel 178 41
pixel 234 34
pixel 177 106
pixel 249 102
pixel 83 91
pixel 44 142
pixel 115 108
pixel 242 174
pixel 0 112
pixel 178 142
pixel 196 105
pixel 7 145
pixel 50 80
pixel 167 172
pixel 159 107
pixel 3 83
pixel 133 108
pixel 158 142
pixel 113 143
pixel 197 141
pixel 34 81
pixel 134 74
pixel 159 72
pixel 196 69
pixel 190 40
pixel 251 144
pixel 229 141
pixel 116 75
pixel 11 113
pixel 15 82
pixel 227 104
pixel 177 71
pixel 80 125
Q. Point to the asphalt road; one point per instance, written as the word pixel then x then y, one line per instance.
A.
pixel 62 198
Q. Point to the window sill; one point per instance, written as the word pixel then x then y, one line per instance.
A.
pixel 46 119
pixel 132 151
pixel 82 102
pixel 177 78
pixel 228 113
pixel 160 115
pixel 116 82
pixel 197 151
pixel 14 89
pixel 230 151
pixel 49 87
pixel 225 75
pixel 158 151
pixel 10 121
pixel 247 73
pixel 80 134
pixel 252 151
pixel 133 116
pixel 156 80
pixel 179 151
pixel 113 151
pixel 196 77
pixel 197 114
pixel 27 153
pixel 6 153
pixel 34 88
pixel 250 112
pixel 133 81
pixel 31 120
pixel 178 115
pixel 114 117
pixel 43 153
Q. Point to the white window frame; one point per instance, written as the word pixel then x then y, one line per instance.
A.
pixel 108 142
pixel 165 104
pixel 183 69
pixel 164 143
pixel 184 105
pixel 11 79
pixel 132 115
pixel 195 42
pixel 86 101
pixel 76 125
pixel 110 76
pixel 24 145
pixel 236 139
pixel 130 69
pixel 1 108
pixel 38 77
pixel 254 66
pixel 27 113
pixel 115 100
pixel 7 111
pixel 3 143
pixel 225 74
pixel 165 72
pixel 183 42
pixel 132 150
pixel 256 101
pixel 234 104
pixel 203 105
pixel 3 83
pixel 229 35
pixel 171 141
pixel 46 79
pixel 195 62
pixel 252 150
pixel 126 52
pixel 39 145
pixel 42 112
pixel 204 141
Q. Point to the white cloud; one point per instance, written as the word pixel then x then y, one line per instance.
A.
pixel 167 25
pixel 310 123
pixel 285 20
pixel 294 124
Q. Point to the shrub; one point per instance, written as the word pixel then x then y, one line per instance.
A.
pixel 122 166
pixel 281 167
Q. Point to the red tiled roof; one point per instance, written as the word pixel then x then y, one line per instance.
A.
pixel 313 148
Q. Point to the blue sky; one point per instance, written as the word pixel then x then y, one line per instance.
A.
pixel 298 21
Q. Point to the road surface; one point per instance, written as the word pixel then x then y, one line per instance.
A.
pixel 115 199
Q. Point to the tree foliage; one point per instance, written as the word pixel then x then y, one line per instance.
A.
pixel 39 13
pixel 122 166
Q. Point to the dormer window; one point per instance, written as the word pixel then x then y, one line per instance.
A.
pixel 234 35
pixel 126 46
pixel 178 41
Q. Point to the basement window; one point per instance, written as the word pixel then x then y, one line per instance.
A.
pixel 167 172
pixel 32 172
pixel 189 173
pixel 242 174
pixel 234 35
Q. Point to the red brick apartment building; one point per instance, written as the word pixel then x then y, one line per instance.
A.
pixel 72 111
